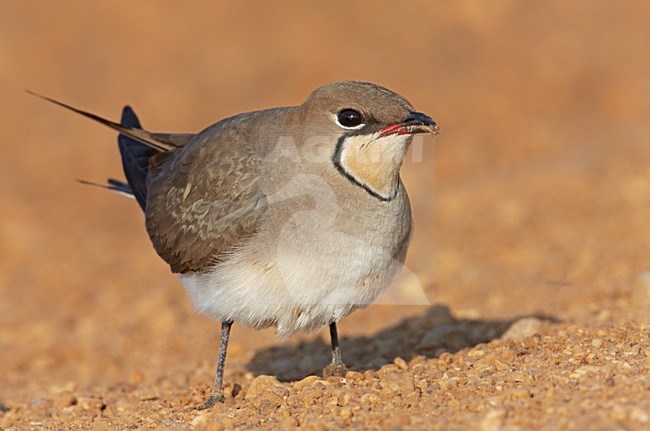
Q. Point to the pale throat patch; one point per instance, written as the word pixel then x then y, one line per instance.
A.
pixel 373 162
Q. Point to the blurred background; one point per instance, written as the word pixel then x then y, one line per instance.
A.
pixel 534 199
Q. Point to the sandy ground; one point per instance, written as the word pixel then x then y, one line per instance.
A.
pixel 526 299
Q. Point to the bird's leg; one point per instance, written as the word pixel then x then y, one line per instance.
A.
pixel 336 367
pixel 216 395
pixel 336 350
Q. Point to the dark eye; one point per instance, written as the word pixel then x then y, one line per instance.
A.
pixel 350 119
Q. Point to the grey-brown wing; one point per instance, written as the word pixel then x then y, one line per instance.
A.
pixel 174 139
pixel 204 202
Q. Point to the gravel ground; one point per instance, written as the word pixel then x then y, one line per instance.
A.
pixel 526 300
pixel 536 375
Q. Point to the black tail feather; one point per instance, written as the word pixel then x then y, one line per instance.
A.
pixel 135 158
pixel 113 185
pixel 121 185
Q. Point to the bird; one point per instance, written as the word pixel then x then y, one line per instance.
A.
pixel 289 217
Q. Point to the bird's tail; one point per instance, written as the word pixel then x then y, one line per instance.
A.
pixel 111 184
pixel 136 146
pixel 135 159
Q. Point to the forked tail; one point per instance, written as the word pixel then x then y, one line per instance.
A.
pixel 136 146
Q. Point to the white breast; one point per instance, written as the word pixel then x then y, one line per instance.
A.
pixel 302 275
pixel 291 290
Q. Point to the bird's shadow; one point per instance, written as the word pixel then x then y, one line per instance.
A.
pixel 429 334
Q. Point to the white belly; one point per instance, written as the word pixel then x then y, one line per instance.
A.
pixel 306 270
pixel 294 286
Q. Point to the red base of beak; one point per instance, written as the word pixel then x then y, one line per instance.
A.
pixel 394 129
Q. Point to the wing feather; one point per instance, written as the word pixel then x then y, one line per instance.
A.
pixel 204 200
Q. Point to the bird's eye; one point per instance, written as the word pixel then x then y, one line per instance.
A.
pixel 350 119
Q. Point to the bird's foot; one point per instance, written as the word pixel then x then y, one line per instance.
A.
pixel 335 370
pixel 213 399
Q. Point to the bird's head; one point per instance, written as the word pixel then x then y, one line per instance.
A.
pixel 366 130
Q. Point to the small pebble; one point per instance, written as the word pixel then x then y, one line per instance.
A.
pixel 263 383
pixel 401 363
pixel 307 381
pixel 523 328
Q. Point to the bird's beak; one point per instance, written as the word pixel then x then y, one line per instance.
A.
pixel 416 122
